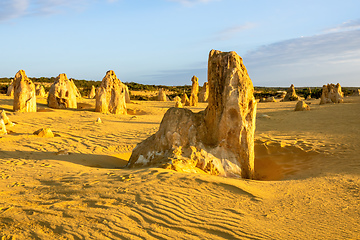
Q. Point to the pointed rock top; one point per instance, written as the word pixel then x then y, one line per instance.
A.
pixel 21 75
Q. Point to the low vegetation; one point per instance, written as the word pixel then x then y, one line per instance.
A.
pixel 84 87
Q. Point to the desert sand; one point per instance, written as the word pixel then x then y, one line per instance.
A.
pixel 73 186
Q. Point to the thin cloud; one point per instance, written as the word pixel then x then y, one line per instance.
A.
pixel 190 3
pixel 229 33
pixel 320 47
pixel 11 9
pixel 346 26
pixel 307 61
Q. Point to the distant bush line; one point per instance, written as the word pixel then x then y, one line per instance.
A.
pixel 84 87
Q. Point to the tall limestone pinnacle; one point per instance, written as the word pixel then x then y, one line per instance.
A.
pixel 194 91
pixel 218 140
pixel 24 93
pixel 110 96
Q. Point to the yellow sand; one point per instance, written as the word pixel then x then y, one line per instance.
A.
pixel 71 186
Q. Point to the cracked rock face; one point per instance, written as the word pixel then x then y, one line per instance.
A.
pixel 110 96
pixel 331 93
pixel 24 93
pixel 218 140
pixel 62 93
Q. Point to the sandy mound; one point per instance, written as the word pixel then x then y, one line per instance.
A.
pixel 72 186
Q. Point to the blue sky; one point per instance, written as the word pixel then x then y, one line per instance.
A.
pixel 307 43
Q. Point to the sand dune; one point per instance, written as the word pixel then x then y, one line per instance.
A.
pixel 72 186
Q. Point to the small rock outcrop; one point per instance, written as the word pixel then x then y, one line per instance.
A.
pixel 92 93
pixel 40 91
pixel 291 94
pixel 301 106
pixel 44 132
pixel 268 99
pixel 185 100
pixel 331 93
pixel 5 118
pixel 162 96
pixel 98 120
pixel 194 91
pixel 2 128
pixel 24 93
pixel 177 99
pixel 218 140
pixel 10 90
pixel 62 93
pixel 204 93
pixel 178 104
pixel 110 96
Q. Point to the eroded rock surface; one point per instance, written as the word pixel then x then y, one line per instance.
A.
pixel 218 140
pixel 24 93
pixel 291 94
pixel 127 94
pixel 110 96
pixel 178 104
pixel 301 106
pixel 77 92
pixel 204 93
pixel 185 100
pixel 4 120
pixel 331 93
pixel 10 90
pixel 177 99
pixel 162 96
pixel 62 93
pixel 2 128
pixel 44 132
pixel 40 91
pixel 268 99
pixel 92 93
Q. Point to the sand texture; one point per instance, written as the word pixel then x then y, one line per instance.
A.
pixel 72 186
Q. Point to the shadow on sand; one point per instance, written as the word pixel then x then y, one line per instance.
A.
pixel 88 160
